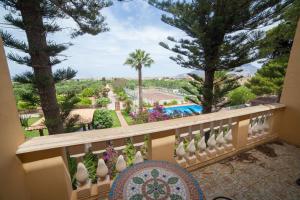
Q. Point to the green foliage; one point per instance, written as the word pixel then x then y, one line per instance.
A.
pixel 173 102
pixel 102 119
pixel 276 47
pixel 23 105
pixel 129 152
pixel 77 86
pixel 269 79
pixel 116 121
pixel 128 118
pixel 37 20
pixel 90 162
pixel 103 101
pixel 138 59
pixel 67 104
pixel 128 105
pixel 240 95
pixel 84 101
pixel 118 85
pixel 223 84
pixel 222 35
pixel 147 104
pixel 87 92
pixel 72 165
pixel 122 96
pixel 24 121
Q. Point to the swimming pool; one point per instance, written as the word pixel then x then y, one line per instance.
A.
pixel 185 110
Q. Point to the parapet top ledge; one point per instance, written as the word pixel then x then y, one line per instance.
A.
pixel 77 138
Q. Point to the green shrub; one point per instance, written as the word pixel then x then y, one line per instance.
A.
pixel 173 102
pixel 102 119
pixel 87 92
pixel 128 106
pixel 103 101
pixel 84 101
pixel 22 105
pixel 240 95
pixel 122 96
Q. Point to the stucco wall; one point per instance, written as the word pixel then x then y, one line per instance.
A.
pixel 12 185
pixel 290 124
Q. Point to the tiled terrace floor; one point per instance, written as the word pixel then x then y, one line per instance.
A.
pixel 268 172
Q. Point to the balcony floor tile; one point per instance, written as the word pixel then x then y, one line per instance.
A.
pixel 266 173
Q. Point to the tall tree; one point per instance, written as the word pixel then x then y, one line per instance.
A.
pixel 137 60
pixel 275 47
pixel 38 18
pixel 223 84
pixel 221 34
pixel 28 78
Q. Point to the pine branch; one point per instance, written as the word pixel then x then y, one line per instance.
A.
pixel 25 60
pixel 64 74
pixel 11 42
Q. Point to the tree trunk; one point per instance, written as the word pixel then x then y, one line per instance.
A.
pixel 208 91
pixel 140 89
pixel 40 61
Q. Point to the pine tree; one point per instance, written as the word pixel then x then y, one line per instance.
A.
pixel 223 84
pixel 221 34
pixel 275 48
pixel 31 95
pixel 39 18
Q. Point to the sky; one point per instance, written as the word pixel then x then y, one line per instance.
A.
pixel 133 25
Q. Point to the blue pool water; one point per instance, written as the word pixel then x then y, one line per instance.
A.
pixel 186 110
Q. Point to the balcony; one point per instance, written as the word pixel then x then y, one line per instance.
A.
pixel 37 168
pixel 243 129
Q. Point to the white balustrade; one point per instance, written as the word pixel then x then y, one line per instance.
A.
pixel 138 158
pixel 82 175
pixel 102 169
pixel 121 163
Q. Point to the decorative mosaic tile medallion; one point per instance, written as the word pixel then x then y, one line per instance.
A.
pixel 155 180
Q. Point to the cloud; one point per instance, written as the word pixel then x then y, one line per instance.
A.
pixel 133 25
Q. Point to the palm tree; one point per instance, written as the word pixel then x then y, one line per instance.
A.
pixel 137 60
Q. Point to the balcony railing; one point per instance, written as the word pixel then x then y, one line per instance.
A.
pixel 179 140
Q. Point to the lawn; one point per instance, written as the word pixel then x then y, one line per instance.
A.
pixel 116 122
pixel 30 134
pixel 127 118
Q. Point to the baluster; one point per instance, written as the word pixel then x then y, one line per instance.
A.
pixel 103 183
pixel 266 124
pixel 121 163
pixel 201 155
pixel 260 125
pixel 139 144
pixel 211 151
pixel 251 134
pixel 220 139
pixel 254 128
pixel 250 126
pixel 180 153
pixel 102 170
pixel 83 183
pixel 191 158
pixel 228 136
pixel 138 158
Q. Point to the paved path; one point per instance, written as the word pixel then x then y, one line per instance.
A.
pixel 112 97
pixel 121 119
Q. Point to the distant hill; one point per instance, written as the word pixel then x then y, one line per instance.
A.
pixel 248 70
